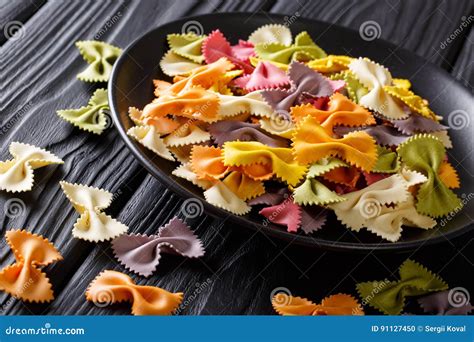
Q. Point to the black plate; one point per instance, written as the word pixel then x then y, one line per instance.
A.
pixel 131 85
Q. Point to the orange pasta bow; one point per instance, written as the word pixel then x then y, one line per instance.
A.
pixel 311 142
pixel 338 304
pixel 24 279
pixel 194 103
pixel 204 76
pixel 207 162
pixel 113 287
pixel 341 111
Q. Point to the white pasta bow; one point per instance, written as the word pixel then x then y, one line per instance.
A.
pixel 375 77
pixel 17 174
pixel 93 224
pixel 384 206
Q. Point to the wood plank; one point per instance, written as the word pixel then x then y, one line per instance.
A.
pixel 464 67
pixel 14 13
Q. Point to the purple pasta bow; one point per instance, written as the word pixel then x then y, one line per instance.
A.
pixel 232 130
pixel 449 302
pixel 306 85
pixel 142 253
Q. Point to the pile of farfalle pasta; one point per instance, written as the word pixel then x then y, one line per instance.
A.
pixel 270 122
pixel 276 122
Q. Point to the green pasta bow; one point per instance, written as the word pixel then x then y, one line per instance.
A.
pixel 389 296
pixel 312 191
pixel 303 48
pixel 90 118
pixel 387 161
pixel 187 45
pixel 100 56
pixel 425 153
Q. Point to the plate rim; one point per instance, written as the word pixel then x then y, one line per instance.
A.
pixel 209 209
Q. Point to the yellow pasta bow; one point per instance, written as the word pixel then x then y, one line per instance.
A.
pixel 311 142
pixel 413 101
pixel 331 63
pixel 283 165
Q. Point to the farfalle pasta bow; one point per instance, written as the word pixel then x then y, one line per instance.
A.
pixel 114 287
pixel 425 154
pixel 100 56
pixel 142 253
pixel 338 304
pixel 216 46
pixel 383 207
pixel 331 63
pixel 24 279
pixel 311 142
pixel 312 191
pixel 389 296
pixel 340 111
pixel 271 33
pixel 93 225
pixel 233 130
pixel 90 118
pixel 187 45
pixel 306 84
pixel 448 302
pixel 266 75
pixel 304 48
pixel 16 174
pixel 280 159
pixel 375 77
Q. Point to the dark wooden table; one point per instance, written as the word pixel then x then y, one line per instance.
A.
pixel 242 267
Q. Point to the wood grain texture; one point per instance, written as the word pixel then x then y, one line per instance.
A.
pixel 14 12
pixel 241 267
pixel 464 67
